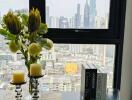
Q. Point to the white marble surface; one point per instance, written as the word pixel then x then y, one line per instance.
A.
pixel 10 95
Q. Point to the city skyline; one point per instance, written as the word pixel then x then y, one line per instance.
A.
pixel 68 7
pixel 86 18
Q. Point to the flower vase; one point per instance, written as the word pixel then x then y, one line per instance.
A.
pixel 30 86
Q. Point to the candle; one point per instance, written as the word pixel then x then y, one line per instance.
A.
pixel 18 77
pixel 35 70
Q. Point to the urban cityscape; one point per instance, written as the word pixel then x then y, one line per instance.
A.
pixel 85 16
pixel 61 65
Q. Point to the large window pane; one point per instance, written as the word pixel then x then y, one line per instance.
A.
pixel 63 65
pixel 79 14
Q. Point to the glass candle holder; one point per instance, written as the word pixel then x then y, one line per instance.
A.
pixel 18 90
pixel 35 83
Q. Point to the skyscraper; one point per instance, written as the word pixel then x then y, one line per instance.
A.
pixel 77 21
pixel 92 13
pixel 86 15
pixel 72 22
pixel 47 16
pixel 63 22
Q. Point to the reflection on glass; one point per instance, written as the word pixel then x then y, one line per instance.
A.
pixel 86 14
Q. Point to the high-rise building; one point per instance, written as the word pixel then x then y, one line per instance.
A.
pixel 47 16
pixel 77 17
pixel 57 22
pixel 52 22
pixel 63 22
pixel 75 48
pixel 22 11
pixel 86 15
pixel 71 22
pixel 92 13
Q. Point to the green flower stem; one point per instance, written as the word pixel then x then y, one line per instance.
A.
pixel 32 37
pixel 25 54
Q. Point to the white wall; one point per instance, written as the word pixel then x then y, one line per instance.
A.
pixel 126 85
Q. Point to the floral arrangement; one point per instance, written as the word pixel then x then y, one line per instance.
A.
pixel 25 34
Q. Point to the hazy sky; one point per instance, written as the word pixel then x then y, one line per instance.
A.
pixel 68 8
pixel 5 5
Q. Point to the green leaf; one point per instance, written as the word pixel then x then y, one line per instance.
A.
pixel 46 43
pixel 24 19
pixel 7 34
pixel 43 29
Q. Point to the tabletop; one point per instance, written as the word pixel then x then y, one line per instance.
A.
pixel 8 95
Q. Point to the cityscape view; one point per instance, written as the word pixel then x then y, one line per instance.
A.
pixel 79 14
pixel 61 65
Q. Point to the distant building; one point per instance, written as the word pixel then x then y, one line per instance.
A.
pixel 22 11
pixel 77 17
pixel 47 16
pixel 63 22
pixel 71 22
pixel 52 21
pixel 86 15
pixel 92 13
pixel 75 48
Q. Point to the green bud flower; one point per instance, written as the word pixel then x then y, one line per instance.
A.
pixel 34 20
pixel 43 29
pixel 14 47
pixel 12 23
pixel 34 49
pixel 47 44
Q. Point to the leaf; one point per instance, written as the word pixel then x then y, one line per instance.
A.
pixel 24 19
pixel 45 43
pixel 7 34
pixel 43 29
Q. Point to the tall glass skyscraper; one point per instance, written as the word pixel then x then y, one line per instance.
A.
pixel 47 15
pixel 92 13
pixel 77 21
pixel 86 15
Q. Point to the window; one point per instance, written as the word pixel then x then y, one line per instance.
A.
pixel 110 33
pixel 78 14
pixel 102 42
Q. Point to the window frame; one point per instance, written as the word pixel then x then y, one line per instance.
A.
pixel 113 35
